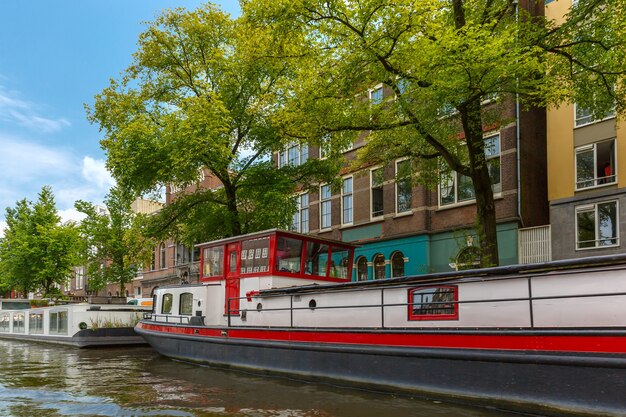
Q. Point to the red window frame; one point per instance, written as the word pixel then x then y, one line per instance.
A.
pixel 412 316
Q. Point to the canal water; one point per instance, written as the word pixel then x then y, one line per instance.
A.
pixel 48 381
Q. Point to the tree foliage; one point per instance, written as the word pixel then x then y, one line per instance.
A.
pixel 112 245
pixel 443 59
pixel 37 251
pixel 201 93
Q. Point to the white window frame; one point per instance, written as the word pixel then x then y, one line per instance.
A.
pixel 327 200
pixel 594 207
pixel 382 185
pixel 302 155
pixel 347 195
pixel 378 87
pixel 579 123
pixel 497 187
pixel 410 209
pixel 596 180
pixel 297 223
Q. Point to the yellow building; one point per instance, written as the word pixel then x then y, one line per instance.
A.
pixel 586 193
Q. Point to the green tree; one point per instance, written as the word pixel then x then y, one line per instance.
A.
pixel 200 94
pixel 112 243
pixel 443 59
pixel 37 251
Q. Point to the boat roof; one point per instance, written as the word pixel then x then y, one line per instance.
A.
pixel 273 231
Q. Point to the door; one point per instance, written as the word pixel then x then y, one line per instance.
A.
pixel 232 278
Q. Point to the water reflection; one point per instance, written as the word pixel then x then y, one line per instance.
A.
pixel 54 381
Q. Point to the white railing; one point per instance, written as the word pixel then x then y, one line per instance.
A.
pixel 534 245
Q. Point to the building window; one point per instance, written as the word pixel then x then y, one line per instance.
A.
pixel 346 201
pixel 379 266
pixel 376 95
pixel 404 190
pixel 183 254
pixel 294 155
pixel 166 307
pixel 186 304
pixel 152 260
pixel 300 220
pixel 397 264
pixel 585 116
pixel 162 256
pixel 325 207
pixel 455 188
pixel 434 303
pixel 596 225
pixel 595 164
pixel 361 269
pixel 326 146
pixel 377 178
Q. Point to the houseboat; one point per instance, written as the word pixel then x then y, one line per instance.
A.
pixel 80 325
pixel 545 338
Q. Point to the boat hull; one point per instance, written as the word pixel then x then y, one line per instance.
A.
pixel 106 337
pixel 553 381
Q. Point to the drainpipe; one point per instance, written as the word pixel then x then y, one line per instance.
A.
pixel 518 134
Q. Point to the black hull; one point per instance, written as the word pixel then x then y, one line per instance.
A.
pixel 554 383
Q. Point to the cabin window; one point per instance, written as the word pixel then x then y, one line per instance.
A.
pixel 213 262
pixel 361 269
pixel 397 264
pixel 5 323
pixel 288 255
pixel 339 263
pixel 35 323
pixel 18 323
pixel 58 322
pixel 186 304
pixel 254 255
pixel 379 266
pixel 166 307
pixel 316 259
pixel 434 303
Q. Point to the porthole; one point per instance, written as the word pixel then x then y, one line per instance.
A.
pixel 312 304
pixel 259 307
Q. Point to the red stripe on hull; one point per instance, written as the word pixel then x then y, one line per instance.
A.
pixel 546 343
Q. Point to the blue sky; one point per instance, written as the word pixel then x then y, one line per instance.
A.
pixel 54 57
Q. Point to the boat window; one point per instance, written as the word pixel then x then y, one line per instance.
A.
pixel 213 262
pixel 186 304
pixel 254 255
pixel 166 307
pixel 288 255
pixel 5 322
pixel 18 323
pixel 339 263
pixel 58 322
pixel 434 303
pixel 35 323
pixel 361 269
pixel 316 259
pixel 397 264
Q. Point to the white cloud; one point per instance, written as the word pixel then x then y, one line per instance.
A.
pixel 15 110
pixel 3 225
pixel 95 172
pixel 71 214
pixel 22 161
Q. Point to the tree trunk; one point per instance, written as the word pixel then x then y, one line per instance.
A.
pixel 231 204
pixel 479 173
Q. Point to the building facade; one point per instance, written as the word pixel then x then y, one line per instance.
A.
pixel 586 193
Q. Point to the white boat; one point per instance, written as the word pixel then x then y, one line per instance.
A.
pixel 545 338
pixel 80 325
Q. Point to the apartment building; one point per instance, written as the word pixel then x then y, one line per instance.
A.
pixel 409 230
pixel 586 193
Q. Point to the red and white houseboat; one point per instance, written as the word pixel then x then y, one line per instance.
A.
pixel 547 338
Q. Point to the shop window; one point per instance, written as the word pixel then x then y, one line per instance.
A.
pixel 379 266
pixel 434 303
pixel 397 264
pixel 288 255
pixel 361 269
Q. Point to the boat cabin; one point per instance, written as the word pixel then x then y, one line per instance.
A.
pixel 273 259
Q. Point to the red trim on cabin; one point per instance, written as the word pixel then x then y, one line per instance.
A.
pixel 547 343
